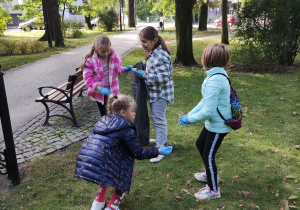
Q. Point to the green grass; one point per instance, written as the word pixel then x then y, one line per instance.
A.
pixel 9 62
pixel 258 164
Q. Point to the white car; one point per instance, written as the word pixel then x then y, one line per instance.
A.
pixel 35 23
pixel 95 22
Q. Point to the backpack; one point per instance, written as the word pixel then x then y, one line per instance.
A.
pixel 236 121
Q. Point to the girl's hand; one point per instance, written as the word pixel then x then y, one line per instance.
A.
pixel 140 73
pixel 165 150
pixel 183 120
pixel 105 91
pixel 127 68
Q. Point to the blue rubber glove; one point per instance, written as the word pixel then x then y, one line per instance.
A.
pixel 105 91
pixel 127 68
pixel 166 150
pixel 183 120
pixel 140 73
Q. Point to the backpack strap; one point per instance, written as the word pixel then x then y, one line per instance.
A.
pixel 230 88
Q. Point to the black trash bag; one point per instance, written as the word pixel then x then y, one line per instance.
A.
pixel 140 97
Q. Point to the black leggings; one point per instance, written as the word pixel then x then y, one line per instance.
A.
pixel 102 107
pixel 208 144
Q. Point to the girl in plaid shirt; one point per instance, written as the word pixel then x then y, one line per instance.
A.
pixel 101 69
pixel 159 82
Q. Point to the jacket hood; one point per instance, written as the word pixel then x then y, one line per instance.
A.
pixel 111 123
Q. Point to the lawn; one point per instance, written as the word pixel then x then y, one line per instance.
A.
pixel 12 61
pixel 259 164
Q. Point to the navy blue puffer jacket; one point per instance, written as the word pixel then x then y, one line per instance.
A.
pixel 107 156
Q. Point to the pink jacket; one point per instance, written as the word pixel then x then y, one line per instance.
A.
pixel 93 75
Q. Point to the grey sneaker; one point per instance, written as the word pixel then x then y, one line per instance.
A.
pixel 201 177
pixel 97 205
pixel 206 194
pixel 157 159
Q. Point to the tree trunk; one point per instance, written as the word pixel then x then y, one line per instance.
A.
pixel 131 19
pixel 225 39
pixel 203 17
pixel 54 23
pixel 88 22
pixel 184 26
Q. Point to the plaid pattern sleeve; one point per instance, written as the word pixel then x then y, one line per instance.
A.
pixel 158 74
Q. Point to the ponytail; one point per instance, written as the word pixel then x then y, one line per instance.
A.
pixel 116 103
pixel 163 44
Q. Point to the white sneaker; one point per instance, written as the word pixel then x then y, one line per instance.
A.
pixel 206 194
pixel 152 141
pixel 202 177
pixel 97 205
pixel 157 159
pixel 115 208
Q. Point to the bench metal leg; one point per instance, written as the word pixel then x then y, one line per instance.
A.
pixel 47 114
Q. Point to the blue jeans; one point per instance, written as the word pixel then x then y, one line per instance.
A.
pixel 158 112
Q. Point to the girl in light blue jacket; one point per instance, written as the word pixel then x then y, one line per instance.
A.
pixel 215 94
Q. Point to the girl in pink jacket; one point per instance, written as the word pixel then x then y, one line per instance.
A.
pixel 101 69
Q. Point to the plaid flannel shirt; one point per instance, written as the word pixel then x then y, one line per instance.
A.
pixel 157 76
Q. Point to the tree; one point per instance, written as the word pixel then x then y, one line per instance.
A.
pixel 4 18
pixel 271 28
pixel 131 15
pixel 203 16
pixel 51 13
pixel 184 25
pixel 224 31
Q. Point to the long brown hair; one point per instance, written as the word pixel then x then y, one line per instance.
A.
pixel 150 33
pixel 99 41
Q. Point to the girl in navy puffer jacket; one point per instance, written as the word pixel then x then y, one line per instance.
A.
pixel 215 94
pixel 107 156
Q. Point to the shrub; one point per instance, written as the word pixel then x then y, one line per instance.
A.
pixel 72 29
pixel 7 47
pixel 108 19
pixel 38 46
pixel 23 47
pixel 272 28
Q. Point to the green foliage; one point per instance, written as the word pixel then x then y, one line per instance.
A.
pixel 30 8
pixel 108 19
pixel 273 27
pixel 4 18
pixel 71 29
pixel 12 47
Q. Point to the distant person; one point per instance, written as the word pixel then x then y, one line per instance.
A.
pixel 107 156
pixel 101 69
pixel 159 83
pixel 215 94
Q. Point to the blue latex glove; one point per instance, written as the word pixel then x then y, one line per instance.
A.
pixel 183 120
pixel 128 68
pixel 105 91
pixel 166 150
pixel 140 73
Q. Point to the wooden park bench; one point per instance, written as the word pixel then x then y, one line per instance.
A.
pixel 63 95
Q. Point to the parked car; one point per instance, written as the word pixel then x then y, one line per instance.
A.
pixel 35 23
pixel 95 22
pixel 218 22
pixel 233 20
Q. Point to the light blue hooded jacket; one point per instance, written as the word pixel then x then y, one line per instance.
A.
pixel 215 93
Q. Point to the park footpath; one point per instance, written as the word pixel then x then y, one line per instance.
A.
pixel 32 139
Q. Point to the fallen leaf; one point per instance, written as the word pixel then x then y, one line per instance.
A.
pixel 171 189
pixel 288 177
pixel 296 146
pixel 186 191
pixel 147 196
pixel 159 204
pixel 177 197
pixel 276 195
pixel 276 151
pixel 284 205
pixel 244 194
pixel 268 186
pixel 295 113
pixel 293 197
pixel 168 175
pixel 293 207
pixel 189 183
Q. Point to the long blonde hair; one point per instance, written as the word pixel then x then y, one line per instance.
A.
pixel 99 41
pixel 116 103
pixel 150 33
